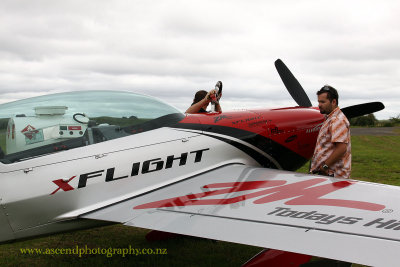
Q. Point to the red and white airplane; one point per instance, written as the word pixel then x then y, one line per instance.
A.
pixel 82 159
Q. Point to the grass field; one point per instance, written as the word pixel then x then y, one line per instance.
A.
pixel 375 159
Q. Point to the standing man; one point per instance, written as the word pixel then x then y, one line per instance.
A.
pixel 332 154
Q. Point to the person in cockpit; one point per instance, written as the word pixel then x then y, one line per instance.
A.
pixel 202 99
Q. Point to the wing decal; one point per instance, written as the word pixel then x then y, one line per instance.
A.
pixel 347 220
pixel 303 193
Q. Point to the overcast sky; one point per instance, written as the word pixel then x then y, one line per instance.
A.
pixel 171 49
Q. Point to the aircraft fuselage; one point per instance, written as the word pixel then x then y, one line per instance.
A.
pixel 47 194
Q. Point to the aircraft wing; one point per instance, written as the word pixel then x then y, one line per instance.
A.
pixel 348 220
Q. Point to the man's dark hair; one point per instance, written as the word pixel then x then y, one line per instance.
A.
pixel 199 96
pixel 331 93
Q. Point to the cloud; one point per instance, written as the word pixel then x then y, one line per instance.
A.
pixel 171 49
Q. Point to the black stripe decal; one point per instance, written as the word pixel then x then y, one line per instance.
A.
pixel 261 159
pixel 286 158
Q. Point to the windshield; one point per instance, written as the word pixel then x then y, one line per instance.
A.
pixel 52 123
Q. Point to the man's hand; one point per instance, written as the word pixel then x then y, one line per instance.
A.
pixel 322 171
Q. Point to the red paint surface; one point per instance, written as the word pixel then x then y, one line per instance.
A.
pixel 74 128
pixel 275 124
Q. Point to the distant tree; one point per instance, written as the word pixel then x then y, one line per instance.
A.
pixel 367 120
pixel 395 120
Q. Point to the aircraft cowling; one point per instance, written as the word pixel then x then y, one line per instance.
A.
pixel 287 135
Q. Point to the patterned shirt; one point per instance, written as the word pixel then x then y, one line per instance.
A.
pixel 335 129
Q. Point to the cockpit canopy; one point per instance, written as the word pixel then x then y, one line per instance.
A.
pixel 51 123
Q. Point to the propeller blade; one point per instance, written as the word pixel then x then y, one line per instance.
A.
pixel 292 85
pixel 362 109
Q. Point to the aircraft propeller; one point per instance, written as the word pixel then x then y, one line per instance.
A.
pixel 292 84
pixel 299 95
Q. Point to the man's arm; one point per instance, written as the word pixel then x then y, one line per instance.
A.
pixel 195 108
pixel 337 154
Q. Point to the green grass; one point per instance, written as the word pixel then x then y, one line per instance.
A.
pixel 375 158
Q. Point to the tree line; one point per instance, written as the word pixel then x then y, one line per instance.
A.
pixel 370 121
